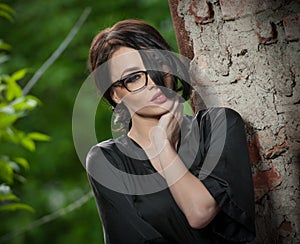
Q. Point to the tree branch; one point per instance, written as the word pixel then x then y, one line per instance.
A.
pixel 50 217
pixel 57 52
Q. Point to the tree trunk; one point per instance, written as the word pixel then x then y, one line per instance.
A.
pixel 245 55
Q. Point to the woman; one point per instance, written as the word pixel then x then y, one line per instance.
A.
pixel 170 178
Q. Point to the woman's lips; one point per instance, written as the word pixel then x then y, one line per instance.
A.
pixel 159 98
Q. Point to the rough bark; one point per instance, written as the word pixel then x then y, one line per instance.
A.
pixel 246 55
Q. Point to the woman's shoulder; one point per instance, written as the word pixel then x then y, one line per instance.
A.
pixel 108 144
pixel 218 110
pixel 114 149
pixel 100 151
pixel 227 113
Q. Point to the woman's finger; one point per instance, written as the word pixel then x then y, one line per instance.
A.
pixel 178 113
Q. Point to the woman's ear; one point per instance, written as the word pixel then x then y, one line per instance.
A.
pixel 114 96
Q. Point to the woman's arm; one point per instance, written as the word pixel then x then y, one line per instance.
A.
pixel 190 194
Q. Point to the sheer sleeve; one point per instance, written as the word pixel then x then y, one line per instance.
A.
pixel 226 173
pixel 120 220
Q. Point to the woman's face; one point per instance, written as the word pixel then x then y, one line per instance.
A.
pixel 149 101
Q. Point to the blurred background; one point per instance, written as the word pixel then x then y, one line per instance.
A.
pixel 54 204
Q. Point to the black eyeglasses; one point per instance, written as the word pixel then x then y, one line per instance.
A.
pixel 134 81
pixel 137 80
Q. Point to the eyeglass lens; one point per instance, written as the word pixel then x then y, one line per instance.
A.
pixel 135 81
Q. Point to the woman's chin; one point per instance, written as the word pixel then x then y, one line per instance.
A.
pixel 153 111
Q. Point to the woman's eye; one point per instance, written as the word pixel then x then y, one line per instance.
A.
pixel 133 78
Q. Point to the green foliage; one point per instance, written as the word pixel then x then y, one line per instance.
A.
pixel 6 12
pixel 56 177
pixel 9 201
pixel 14 106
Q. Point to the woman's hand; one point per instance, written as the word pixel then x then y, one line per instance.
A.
pixel 168 127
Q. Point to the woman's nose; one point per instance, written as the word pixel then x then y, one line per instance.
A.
pixel 151 83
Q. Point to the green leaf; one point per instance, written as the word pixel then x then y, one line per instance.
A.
pixel 19 104
pixel 33 101
pixel 30 102
pixel 7 8
pixel 2 87
pixel 23 162
pixel 6 172
pixel 8 197
pixel 28 143
pixel 4 46
pixel 13 90
pixel 6 11
pixel 18 75
pixel 38 136
pixel 6 15
pixel 15 164
pixel 12 135
pixel 6 120
pixel 23 104
pixel 9 201
pixel 16 136
pixel 16 206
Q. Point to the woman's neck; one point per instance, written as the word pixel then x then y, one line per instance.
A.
pixel 141 128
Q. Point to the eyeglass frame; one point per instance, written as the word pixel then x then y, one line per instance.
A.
pixel 121 82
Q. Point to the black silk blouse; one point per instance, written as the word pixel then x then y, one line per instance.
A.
pixel 213 147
